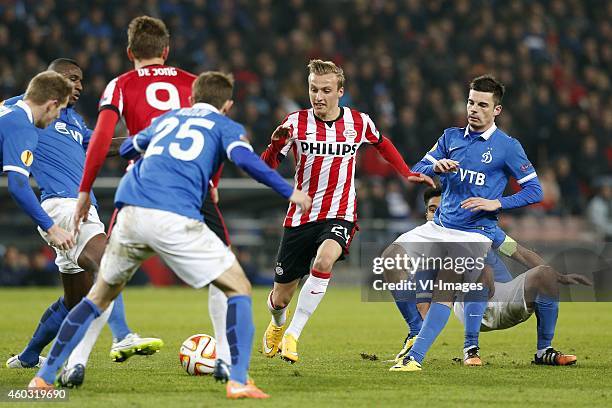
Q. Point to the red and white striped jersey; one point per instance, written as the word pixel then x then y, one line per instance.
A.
pixel 325 154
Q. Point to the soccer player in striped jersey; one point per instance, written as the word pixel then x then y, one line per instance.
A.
pixel 324 140
pixel 139 96
pixel 182 150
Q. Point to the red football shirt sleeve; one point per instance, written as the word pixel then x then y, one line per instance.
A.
pixel 388 151
pixel 217 176
pixel 98 147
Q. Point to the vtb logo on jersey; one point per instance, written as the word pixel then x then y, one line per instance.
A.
pixel 62 128
pixel 487 157
pixel 472 177
pixel 328 149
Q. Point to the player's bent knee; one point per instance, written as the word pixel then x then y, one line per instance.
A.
pixel 324 263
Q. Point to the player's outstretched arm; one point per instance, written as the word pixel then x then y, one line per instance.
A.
pixel 20 190
pixel 96 154
pixel 272 156
pixel 389 152
pixel 98 147
pixel 256 168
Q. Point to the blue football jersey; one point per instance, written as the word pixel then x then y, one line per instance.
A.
pixel 182 150
pixel 18 138
pixel 60 155
pixel 486 162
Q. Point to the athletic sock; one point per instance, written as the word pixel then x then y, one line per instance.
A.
pixel 279 315
pixel 80 354
pixel 406 303
pixel 46 331
pixel 547 311
pixel 432 326
pixel 311 295
pixel 217 309
pixel 70 334
pixel 474 306
pixel 240 331
pixel 117 321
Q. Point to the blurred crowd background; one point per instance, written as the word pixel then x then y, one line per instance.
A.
pixel 408 64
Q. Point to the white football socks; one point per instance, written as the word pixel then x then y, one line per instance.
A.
pixel 217 308
pixel 279 316
pixel 81 352
pixel 310 296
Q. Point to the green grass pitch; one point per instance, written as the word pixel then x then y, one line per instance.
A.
pixel 331 371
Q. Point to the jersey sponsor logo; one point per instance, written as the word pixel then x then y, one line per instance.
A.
pixel 27 157
pixel 328 149
pixel 472 177
pixel 62 127
pixel 487 157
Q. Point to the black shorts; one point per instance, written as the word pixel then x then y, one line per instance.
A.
pixel 300 244
pixel 214 220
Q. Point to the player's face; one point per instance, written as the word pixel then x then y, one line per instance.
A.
pixel 75 76
pixel 324 95
pixel 481 110
pixel 432 206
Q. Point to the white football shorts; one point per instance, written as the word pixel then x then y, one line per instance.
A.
pixel 430 243
pixel 186 245
pixel 505 309
pixel 61 210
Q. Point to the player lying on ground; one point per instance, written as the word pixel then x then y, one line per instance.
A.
pixel 138 96
pixel 474 164
pixel 512 301
pixel 159 201
pixel 60 157
pixel 324 140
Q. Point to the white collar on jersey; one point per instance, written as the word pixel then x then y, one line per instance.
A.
pixel 207 106
pixel 26 109
pixel 486 134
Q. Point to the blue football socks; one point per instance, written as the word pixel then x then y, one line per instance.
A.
pixel 474 306
pixel 547 311
pixel 70 334
pixel 117 321
pixel 46 331
pixel 240 330
pixel 432 326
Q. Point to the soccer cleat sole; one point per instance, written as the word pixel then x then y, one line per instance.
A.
pixel 119 356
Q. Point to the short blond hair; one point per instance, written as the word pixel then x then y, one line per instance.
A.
pixel 48 86
pixel 213 87
pixel 320 67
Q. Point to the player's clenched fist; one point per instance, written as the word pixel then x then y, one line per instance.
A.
pixel 60 238
pixel 446 166
pixel 281 133
pixel 302 199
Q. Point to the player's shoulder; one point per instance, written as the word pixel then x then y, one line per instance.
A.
pixel 453 131
pixel 13 100
pixel 184 73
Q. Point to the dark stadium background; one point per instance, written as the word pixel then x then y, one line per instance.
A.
pixel 407 64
